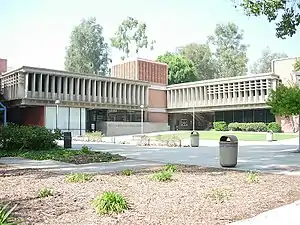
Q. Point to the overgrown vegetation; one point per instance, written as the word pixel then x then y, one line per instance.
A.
pixel 6 217
pixel 252 177
pixel 110 202
pixel 220 126
pixel 45 192
pixel 256 127
pixel 79 177
pixel 127 172
pixel 219 195
pixel 170 167
pixel 162 176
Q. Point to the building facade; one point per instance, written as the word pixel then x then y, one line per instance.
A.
pixel 115 104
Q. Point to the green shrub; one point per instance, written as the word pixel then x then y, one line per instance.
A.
pixel 110 202
pixel 220 126
pixel 79 177
pixel 170 167
pixel 275 127
pixel 127 172
pixel 256 127
pixel 6 215
pixel 162 176
pixel 45 192
pixel 219 195
pixel 252 177
pixel 16 137
pixel 85 149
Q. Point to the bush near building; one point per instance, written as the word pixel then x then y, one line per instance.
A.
pixel 254 127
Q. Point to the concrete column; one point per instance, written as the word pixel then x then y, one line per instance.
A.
pixel 65 91
pixel 129 94
pixel 110 92
pixel 99 97
pixel 115 92
pixel 33 85
pixel 53 96
pixel 59 88
pixel 205 95
pixel 71 90
pixel 46 86
pixel 105 92
pixel 147 97
pixel 143 95
pixel 94 94
pixel 77 96
pixel 133 94
pixel 40 86
pixel 124 94
pixel 168 99
pixel 262 96
pixel 83 98
pixel 120 92
pixel 26 85
pixel 88 91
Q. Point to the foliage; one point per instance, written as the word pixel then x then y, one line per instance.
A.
pixel 220 126
pixel 110 202
pixel 131 34
pixel 6 215
pixel 202 58
pixel 63 155
pixel 85 149
pixel 15 137
pixel 252 177
pixel 181 70
pixel 79 177
pixel 285 100
pixel 45 192
pixel 286 12
pixel 162 176
pixel 230 52
pixel 170 167
pixel 297 65
pixel 127 172
pixel 219 195
pixel 87 52
pixel 264 63
pixel 275 127
pixel 257 127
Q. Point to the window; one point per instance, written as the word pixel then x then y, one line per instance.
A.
pixel 184 122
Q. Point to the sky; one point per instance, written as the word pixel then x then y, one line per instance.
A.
pixel 36 32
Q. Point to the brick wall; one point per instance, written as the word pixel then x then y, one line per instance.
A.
pixel 3 65
pixel 157 105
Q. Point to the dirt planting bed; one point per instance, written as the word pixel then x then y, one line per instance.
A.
pixel 194 196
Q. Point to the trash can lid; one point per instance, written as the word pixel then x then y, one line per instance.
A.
pixel 194 132
pixel 228 138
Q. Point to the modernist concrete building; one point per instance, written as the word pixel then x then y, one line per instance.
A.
pixel 114 104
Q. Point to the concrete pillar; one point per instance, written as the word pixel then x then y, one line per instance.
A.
pixel 65 91
pixel 129 94
pixel 94 94
pixel 143 95
pixel 26 85
pixel 124 94
pixel 99 84
pixel 120 92
pixel 105 92
pixel 83 98
pixel 71 90
pixel 168 98
pixel 133 94
pixel 88 91
pixel 115 92
pixel 139 94
pixel 59 88
pixel 40 85
pixel 77 96
pixel 109 92
pixel 53 95
pixel 147 97
pixel 33 85
pixel 46 86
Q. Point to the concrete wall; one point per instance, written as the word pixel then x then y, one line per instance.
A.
pixel 127 128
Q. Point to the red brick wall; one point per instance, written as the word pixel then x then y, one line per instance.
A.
pixel 158 117
pixel 157 98
pixel 34 116
pixel 3 65
pixel 153 72
pixel 126 70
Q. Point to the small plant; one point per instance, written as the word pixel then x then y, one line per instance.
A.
pixel 252 177
pixel 110 202
pixel 127 172
pixel 78 177
pixel 162 176
pixel 6 215
pixel 218 195
pixel 85 149
pixel 45 192
pixel 170 167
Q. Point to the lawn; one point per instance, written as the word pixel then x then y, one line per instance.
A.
pixel 64 155
pixel 215 135
pixel 194 195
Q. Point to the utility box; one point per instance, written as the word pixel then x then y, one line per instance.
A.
pixel 228 151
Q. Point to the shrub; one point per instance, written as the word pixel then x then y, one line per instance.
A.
pixel 252 177
pixel 256 127
pixel 16 137
pixel 162 176
pixel 275 127
pixel 170 167
pixel 6 215
pixel 218 195
pixel 110 202
pixel 45 192
pixel 220 126
pixel 85 149
pixel 127 172
pixel 79 177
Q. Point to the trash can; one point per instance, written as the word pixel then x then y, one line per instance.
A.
pixel 67 140
pixel 269 135
pixel 194 139
pixel 228 151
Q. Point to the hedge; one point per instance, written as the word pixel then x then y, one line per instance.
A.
pixel 16 137
pixel 220 126
pixel 256 127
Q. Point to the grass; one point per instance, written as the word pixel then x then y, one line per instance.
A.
pixel 6 215
pixel 45 192
pixel 63 155
pixel 215 135
pixel 79 177
pixel 162 176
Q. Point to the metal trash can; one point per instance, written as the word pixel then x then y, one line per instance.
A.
pixel 269 135
pixel 228 151
pixel 67 140
pixel 194 139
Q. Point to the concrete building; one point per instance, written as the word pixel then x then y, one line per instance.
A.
pixel 115 104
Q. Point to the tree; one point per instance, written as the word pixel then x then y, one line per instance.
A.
pixel 181 69
pixel 87 52
pixel 131 35
pixel 286 12
pixel 202 58
pixel 230 53
pixel 263 64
